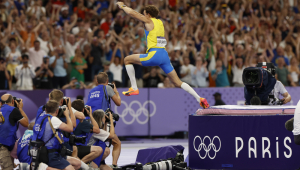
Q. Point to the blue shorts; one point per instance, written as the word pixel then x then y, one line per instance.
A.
pixel 99 158
pixel 57 161
pixel 157 57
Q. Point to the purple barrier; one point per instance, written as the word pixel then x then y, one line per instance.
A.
pixel 169 108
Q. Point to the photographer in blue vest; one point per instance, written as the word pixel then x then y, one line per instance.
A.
pixel 8 127
pixel 99 98
pixel 45 130
pixel 58 96
pixel 85 127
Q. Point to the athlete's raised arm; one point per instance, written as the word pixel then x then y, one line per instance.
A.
pixel 133 13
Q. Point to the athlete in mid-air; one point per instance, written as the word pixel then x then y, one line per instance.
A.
pixel 156 54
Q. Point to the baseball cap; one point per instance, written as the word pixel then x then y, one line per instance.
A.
pixel 73 78
pixel 217 94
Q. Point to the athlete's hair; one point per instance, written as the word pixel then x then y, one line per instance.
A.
pixel 78 105
pixel 56 95
pixel 102 77
pixel 98 116
pixel 152 10
pixel 51 106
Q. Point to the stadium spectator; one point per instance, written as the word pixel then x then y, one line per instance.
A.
pixel 153 77
pixel 199 73
pixel 293 68
pixel 44 75
pixel 78 65
pixel 116 66
pixel 36 54
pixel 4 75
pixel 282 73
pixel 59 65
pixel 257 30
pixel 218 99
pixel 166 84
pixel 24 74
pixel 220 73
pixel 186 70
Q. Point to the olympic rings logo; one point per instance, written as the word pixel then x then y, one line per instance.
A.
pixel 135 114
pixel 207 148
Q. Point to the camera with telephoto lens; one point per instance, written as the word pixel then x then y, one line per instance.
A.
pixel 16 100
pixel 65 152
pixel 65 101
pixel 74 139
pixel 111 85
pixel 114 115
pixel 61 111
pixel 86 108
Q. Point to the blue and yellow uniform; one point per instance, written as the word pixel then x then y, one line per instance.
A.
pixel 156 54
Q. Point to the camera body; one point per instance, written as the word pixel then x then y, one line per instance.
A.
pixel 17 100
pixel 114 115
pixel 74 139
pixel 111 85
pixel 65 101
pixel 61 111
pixel 86 107
pixel 65 152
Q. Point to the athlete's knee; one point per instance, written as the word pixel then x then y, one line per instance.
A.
pixel 70 167
pixel 126 61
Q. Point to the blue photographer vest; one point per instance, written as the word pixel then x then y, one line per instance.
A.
pixel 8 131
pixel 96 98
pixel 66 140
pixel 22 148
pixel 44 132
pixel 83 134
pixel 39 112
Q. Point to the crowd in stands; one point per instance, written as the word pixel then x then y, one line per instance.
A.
pixel 65 43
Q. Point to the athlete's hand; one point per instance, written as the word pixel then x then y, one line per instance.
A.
pixel 120 4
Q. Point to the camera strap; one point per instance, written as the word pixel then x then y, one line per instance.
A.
pixel 107 99
pixel 60 140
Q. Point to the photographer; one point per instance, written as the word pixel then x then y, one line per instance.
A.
pixel 44 75
pixel 85 126
pixel 45 130
pixel 98 139
pixel 99 98
pixel 12 117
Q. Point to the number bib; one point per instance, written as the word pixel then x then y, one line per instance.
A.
pixel 161 42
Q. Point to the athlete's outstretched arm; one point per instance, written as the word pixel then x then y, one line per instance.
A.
pixel 133 13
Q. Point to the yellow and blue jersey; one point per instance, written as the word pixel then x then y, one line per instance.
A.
pixel 156 37
pixel 156 54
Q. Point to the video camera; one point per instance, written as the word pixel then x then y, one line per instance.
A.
pixel 259 81
pixel 114 115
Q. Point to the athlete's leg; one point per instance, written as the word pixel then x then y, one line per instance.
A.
pixel 128 61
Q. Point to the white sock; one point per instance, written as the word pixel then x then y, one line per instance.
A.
pixel 190 90
pixel 131 74
pixel 84 166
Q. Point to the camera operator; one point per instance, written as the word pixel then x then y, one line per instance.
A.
pixel 99 98
pixel 84 127
pixel 278 90
pixel 100 138
pixel 8 128
pixel 45 130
